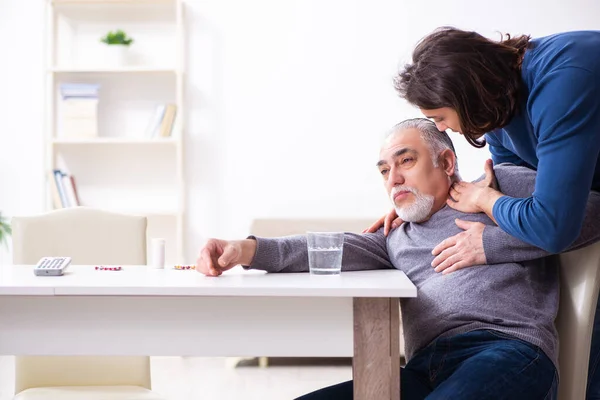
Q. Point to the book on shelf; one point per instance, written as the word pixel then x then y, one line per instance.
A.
pixel 79 90
pixel 79 110
pixel 63 189
pixel 162 121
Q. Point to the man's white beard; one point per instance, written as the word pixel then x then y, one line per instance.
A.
pixel 418 210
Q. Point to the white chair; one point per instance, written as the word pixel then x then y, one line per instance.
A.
pixel 579 286
pixel 89 236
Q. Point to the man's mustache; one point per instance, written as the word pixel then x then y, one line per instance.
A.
pixel 402 188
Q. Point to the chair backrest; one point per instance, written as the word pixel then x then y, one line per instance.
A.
pixel 274 227
pixel 88 236
pixel 579 285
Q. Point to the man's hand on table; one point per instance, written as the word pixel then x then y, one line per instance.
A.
pixel 218 255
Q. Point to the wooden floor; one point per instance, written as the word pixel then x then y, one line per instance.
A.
pixel 191 378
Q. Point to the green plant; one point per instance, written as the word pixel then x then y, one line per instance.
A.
pixel 5 230
pixel 118 37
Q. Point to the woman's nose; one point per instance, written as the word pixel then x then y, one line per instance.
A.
pixel 441 126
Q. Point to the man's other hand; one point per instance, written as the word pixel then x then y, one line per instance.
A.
pixel 218 255
pixel 462 250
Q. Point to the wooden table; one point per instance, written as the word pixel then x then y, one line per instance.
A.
pixel 145 311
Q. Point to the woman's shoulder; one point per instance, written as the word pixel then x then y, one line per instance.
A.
pixel 568 36
pixel 574 49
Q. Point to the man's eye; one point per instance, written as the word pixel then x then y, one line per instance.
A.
pixel 384 171
pixel 408 159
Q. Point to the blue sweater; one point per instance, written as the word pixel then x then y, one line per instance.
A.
pixel 557 132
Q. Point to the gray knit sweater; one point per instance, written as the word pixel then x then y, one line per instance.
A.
pixel 516 293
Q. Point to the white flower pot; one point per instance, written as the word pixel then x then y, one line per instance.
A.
pixel 116 55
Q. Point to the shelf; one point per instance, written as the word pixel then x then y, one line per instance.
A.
pixel 113 70
pixel 114 140
pixel 123 169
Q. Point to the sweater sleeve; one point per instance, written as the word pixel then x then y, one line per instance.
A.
pixel 290 253
pixel 565 114
pixel 501 154
pixel 500 247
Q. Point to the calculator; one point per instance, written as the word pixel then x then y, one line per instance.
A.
pixel 53 266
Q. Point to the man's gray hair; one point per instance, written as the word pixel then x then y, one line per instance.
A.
pixel 437 140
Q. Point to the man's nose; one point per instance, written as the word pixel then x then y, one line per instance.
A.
pixel 396 177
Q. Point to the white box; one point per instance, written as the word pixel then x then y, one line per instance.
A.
pixel 79 128
pixel 79 118
pixel 80 108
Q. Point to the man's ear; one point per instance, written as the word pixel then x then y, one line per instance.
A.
pixel 448 162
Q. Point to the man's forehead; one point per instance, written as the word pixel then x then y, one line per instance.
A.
pixel 406 138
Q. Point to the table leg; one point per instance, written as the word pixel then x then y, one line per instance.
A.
pixel 376 362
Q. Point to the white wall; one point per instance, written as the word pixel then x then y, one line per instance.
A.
pixel 287 100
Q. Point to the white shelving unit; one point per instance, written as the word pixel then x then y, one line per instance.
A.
pixel 122 168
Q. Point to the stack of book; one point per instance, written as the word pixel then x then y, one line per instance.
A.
pixel 79 110
pixel 162 122
pixel 63 189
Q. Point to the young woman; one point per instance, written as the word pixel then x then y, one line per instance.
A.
pixel 536 102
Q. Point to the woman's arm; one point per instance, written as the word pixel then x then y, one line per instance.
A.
pixel 488 244
pixel 565 114
pixel 501 154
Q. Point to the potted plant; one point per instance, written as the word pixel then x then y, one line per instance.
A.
pixel 5 230
pixel 117 46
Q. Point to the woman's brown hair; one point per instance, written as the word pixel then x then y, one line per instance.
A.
pixel 477 77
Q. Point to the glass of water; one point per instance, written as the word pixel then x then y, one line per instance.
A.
pixel 325 252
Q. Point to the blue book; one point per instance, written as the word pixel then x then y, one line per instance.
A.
pixel 58 178
pixel 87 90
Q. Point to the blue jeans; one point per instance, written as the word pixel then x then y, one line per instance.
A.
pixel 593 389
pixel 478 365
